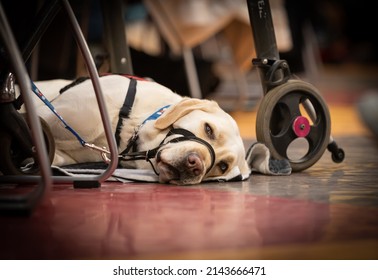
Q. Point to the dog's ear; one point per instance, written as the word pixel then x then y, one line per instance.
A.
pixel 184 107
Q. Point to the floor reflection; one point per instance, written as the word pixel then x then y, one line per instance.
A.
pixel 325 205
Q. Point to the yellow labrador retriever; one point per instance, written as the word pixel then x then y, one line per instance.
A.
pixel 214 149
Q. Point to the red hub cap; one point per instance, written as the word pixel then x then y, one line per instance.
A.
pixel 301 126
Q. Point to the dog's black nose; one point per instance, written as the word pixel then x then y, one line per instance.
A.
pixel 194 163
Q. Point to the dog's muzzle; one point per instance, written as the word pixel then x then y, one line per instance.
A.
pixel 186 135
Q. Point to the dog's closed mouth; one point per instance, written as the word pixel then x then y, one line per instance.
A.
pixel 167 173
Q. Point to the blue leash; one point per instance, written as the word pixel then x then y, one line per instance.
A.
pixel 52 108
pixel 104 151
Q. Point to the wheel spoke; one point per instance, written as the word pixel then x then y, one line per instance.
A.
pixel 283 114
pixel 314 136
pixel 282 141
pixel 292 102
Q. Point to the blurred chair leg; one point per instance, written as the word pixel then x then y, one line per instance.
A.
pixel 115 36
pixel 191 73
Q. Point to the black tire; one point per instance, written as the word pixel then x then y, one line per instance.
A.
pixel 13 161
pixel 339 156
pixel 277 112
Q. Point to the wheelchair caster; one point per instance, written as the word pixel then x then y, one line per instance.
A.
pixel 338 154
pixel 14 161
pixel 291 114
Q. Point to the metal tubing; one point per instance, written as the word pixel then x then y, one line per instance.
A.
pixel 100 99
pixel 42 21
pixel 27 201
pixel 264 38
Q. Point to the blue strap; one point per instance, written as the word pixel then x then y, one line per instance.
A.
pixel 132 143
pixel 157 114
pixel 52 108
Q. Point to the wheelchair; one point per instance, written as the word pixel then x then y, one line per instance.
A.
pixel 26 144
pixel 291 109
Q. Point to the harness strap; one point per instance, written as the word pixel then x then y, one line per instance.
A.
pixel 132 143
pixel 83 79
pixel 126 108
pixel 186 136
pixel 127 104
pixel 189 136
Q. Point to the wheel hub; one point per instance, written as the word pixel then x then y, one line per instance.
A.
pixel 301 126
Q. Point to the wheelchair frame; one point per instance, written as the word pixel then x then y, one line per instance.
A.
pixel 275 79
pixel 24 203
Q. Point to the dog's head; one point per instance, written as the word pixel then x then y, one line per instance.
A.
pixel 190 162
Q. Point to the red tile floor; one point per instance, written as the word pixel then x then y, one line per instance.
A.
pixel 329 211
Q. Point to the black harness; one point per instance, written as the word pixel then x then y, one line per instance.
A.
pixel 126 108
pixel 130 153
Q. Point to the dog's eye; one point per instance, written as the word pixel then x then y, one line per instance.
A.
pixel 223 166
pixel 209 131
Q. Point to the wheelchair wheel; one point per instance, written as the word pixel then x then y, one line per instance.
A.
pixel 293 121
pixel 13 159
